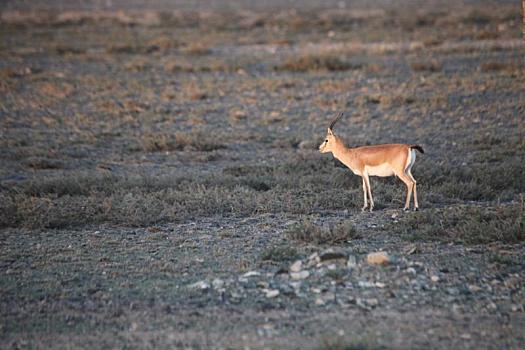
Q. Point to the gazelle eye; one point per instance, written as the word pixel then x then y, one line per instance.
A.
pixel 326 140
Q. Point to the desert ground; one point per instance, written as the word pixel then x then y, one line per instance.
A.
pixel 161 186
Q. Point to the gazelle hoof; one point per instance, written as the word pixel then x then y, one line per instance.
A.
pixel 416 209
pixel 406 209
pixel 363 209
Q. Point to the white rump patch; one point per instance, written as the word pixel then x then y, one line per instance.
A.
pixel 411 159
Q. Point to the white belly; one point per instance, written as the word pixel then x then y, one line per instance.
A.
pixel 380 170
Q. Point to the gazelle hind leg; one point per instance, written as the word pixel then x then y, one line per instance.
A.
pixel 410 185
pixel 367 182
pixel 416 205
pixel 364 195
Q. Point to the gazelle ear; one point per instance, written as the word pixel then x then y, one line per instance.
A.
pixel 330 131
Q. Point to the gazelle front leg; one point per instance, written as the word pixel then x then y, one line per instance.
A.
pixel 364 195
pixel 367 183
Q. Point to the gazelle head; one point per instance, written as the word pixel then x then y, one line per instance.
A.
pixel 330 140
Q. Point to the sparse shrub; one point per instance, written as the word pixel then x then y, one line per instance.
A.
pixel 336 342
pixel 56 90
pixel 174 66
pixel 68 50
pixel 427 66
pixel 197 49
pixel 237 115
pixel 194 93
pixel 137 65
pixel 470 225
pixel 195 141
pixel 307 63
pixel 161 43
pixel 337 275
pixel 477 17
pixel 122 48
pixel 43 163
pixel 279 254
pixel 308 232
pixel 494 66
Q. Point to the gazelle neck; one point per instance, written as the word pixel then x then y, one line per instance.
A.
pixel 340 150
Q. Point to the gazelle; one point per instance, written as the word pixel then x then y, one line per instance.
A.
pixel 377 160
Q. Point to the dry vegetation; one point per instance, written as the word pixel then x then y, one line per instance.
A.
pixel 144 151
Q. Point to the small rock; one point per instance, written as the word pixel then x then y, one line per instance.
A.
pixel 201 285
pixel 266 330
pixel 251 274
pixel 434 278
pixel 473 288
pixel 313 259
pixel 372 302
pixel 296 266
pixel 263 284
pixel 331 254
pixel 352 262
pixel 217 283
pixel 332 267
pixel 410 250
pixel 365 284
pixel 452 291
pixel 378 258
pixel 287 290
pixel 411 271
pixel 272 293
pixel 319 302
pixel 512 282
pixel 301 275
pixel 367 304
pixel 295 285
pixel 380 285
pixel 305 144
